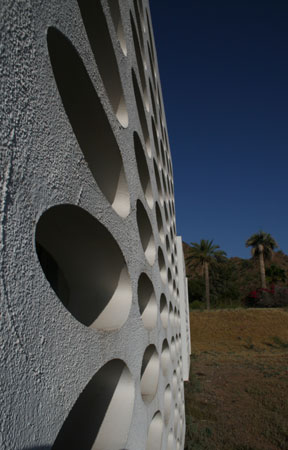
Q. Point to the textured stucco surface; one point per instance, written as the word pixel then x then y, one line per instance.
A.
pixel 47 356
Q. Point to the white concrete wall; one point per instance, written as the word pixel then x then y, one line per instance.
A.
pixel 91 298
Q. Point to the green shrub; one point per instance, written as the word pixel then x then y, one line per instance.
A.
pixel 197 305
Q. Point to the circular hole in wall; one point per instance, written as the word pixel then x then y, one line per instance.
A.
pixel 155 432
pixel 165 357
pixel 147 302
pixel 171 234
pixel 162 265
pixel 140 65
pixel 172 259
pixel 149 373
pixel 164 311
pixel 98 34
pixel 117 21
pixel 175 318
pixel 153 102
pixel 167 403
pixel 170 280
pixel 171 315
pixel 152 69
pixel 170 209
pixel 164 185
pixel 146 233
pixel 173 349
pixel 143 171
pixel 150 35
pixel 179 397
pixel 156 145
pixel 176 272
pixel 158 182
pixel 174 384
pixel 139 27
pixel 159 222
pixel 85 266
pixel 142 15
pixel 162 155
pixel 168 250
pixel 141 114
pixel 166 214
pixel 89 121
pixel 92 421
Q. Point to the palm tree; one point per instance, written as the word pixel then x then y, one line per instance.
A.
pixel 202 255
pixel 262 245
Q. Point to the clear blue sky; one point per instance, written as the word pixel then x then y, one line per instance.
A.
pixel 224 75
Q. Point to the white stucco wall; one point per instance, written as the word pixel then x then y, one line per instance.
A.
pixel 93 358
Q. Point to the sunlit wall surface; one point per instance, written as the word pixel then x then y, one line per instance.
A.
pixel 94 317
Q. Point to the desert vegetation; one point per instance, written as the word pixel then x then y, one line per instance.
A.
pixel 219 282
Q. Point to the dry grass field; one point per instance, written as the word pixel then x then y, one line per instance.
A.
pixel 237 397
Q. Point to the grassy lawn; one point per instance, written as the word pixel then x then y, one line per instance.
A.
pixel 237 397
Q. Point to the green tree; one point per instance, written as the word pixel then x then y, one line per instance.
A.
pixel 262 245
pixel 224 284
pixel 203 255
pixel 275 274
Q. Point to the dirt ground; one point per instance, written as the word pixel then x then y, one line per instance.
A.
pixel 237 397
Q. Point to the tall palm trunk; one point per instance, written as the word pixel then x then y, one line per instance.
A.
pixel 207 288
pixel 262 270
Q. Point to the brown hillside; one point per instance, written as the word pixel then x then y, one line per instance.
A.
pixel 237 395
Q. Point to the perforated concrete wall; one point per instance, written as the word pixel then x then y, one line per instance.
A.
pixel 94 319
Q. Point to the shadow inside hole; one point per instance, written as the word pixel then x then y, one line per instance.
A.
pixel 101 44
pixel 89 121
pixel 86 426
pixel 84 265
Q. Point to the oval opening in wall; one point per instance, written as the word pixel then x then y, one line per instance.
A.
pixel 165 357
pixel 141 114
pixel 140 65
pixel 146 233
pixel 159 222
pixel 167 403
pixel 153 102
pixel 164 311
pixel 101 44
pixel 143 171
pixel 170 285
pixel 155 137
pixel 153 71
pixel 174 384
pixel 158 182
pixel 85 266
pixel 117 21
pixel 147 302
pixel 162 265
pixel 150 35
pixel 89 121
pixel 173 349
pixel 138 20
pixel 149 373
pixel 93 419
pixel 155 432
